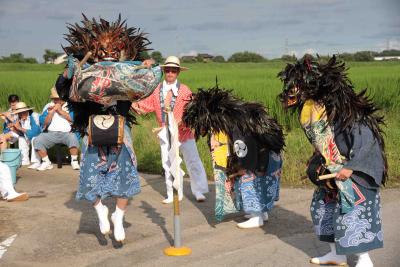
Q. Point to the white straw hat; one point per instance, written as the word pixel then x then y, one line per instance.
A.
pixel 173 62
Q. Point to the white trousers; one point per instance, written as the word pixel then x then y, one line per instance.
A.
pixel 194 166
pixel 6 186
pixel 35 158
pixel 23 145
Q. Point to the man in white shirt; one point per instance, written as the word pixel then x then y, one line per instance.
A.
pixel 56 122
pixel 175 95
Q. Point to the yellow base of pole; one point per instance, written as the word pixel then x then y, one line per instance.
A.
pixel 173 251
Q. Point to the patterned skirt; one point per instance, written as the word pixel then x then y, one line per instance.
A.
pixel 357 231
pixel 108 171
pixel 251 193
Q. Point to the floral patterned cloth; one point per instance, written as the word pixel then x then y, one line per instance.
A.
pixel 314 121
pixel 107 82
pixel 108 171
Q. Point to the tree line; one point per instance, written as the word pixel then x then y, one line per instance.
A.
pixel 49 56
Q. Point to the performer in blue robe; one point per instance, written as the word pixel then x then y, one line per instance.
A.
pixel 344 129
pixel 101 93
pixel 245 144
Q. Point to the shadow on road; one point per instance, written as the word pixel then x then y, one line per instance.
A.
pixel 89 223
pixel 157 219
pixel 206 207
pixel 282 222
pixel 285 224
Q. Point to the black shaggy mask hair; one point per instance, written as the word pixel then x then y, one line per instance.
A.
pixel 328 84
pixel 215 110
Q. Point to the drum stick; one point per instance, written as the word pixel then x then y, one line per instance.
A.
pixel 83 61
pixel 327 176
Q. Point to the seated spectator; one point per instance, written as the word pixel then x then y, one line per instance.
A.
pixel 56 123
pixel 8 135
pixel 27 127
pixel 7 190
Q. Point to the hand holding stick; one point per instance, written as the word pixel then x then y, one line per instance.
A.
pixel 84 60
pixel 327 176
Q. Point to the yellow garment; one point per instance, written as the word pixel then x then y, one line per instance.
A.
pixel 311 112
pixel 219 149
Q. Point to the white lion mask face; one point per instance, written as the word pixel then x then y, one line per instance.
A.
pixel 240 148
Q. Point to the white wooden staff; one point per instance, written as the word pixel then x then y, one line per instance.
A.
pixel 177 249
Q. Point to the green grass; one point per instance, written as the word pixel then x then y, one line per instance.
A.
pixel 252 81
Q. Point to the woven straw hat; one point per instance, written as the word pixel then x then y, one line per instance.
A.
pixel 21 107
pixel 53 93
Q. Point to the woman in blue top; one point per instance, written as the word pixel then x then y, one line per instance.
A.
pixel 27 126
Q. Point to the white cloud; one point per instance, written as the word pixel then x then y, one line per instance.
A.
pixel 293 52
pixel 309 51
pixel 391 44
pixel 190 53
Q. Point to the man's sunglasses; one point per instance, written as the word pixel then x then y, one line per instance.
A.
pixel 173 70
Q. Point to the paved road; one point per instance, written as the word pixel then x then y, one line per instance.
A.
pixel 52 229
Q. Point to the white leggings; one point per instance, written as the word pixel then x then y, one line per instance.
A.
pixel 6 186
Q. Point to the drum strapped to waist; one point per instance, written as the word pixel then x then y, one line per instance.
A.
pixel 106 130
pixel 316 167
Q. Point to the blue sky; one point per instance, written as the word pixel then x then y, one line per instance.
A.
pixel 218 27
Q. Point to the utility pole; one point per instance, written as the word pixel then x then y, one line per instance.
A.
pixel 286 46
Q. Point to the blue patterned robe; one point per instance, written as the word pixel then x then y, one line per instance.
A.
pixel 251 193
pixel 360 229
pixel 107 172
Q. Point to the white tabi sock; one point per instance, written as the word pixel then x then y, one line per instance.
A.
pixel 46 159
pixel 364 260
pixel 118 220
pixel 102 214
pixel 330 258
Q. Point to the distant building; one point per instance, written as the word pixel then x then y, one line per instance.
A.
pixel 197 58
pixel 189 58
pixel 205 57
pixel 387 58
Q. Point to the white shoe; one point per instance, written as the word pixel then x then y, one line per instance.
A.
pixel 75 164
pixel 264 215
pixel 34 165
pixel 46 165
pixel 118 220
pixel 253 222
pixel 102 214
pixel 364 260
pixel 169 200
pixel 199 197
pixel 330 258
pixel 25 163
